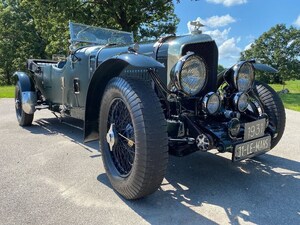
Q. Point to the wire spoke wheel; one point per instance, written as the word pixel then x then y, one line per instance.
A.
pixel 122 152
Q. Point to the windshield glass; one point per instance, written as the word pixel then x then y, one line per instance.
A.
pixel 84 34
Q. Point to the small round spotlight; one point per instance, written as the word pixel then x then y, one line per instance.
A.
pixel 211 103
pixel 240 101
pixel 234 127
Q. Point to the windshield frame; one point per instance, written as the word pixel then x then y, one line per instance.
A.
pixel 93 38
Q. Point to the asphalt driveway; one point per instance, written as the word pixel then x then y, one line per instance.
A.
pixel 48 176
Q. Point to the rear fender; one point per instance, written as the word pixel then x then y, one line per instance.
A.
pixel 25 81
pixel 29 97
pixel 110 68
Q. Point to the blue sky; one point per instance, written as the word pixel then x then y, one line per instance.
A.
pixel 235 24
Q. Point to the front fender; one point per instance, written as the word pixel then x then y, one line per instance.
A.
pixel 138 60
pixel 108 69
pixel 264 68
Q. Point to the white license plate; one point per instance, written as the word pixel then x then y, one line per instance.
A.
pixel 251 148
pixel 254 129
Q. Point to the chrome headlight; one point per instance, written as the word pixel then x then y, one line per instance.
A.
pixel 240 101
pixel 243 76
pixel 211 103
pixel 234 127
pixel 190 74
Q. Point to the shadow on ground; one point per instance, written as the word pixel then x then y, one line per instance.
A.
pixel 204 188
pixel 69 128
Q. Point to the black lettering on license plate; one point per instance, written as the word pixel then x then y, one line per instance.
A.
pixel 254 129
pixel 251 148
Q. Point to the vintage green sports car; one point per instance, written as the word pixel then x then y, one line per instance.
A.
pixel 145 101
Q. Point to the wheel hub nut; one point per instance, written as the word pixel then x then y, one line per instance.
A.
pixel 202 142
pixel 111 137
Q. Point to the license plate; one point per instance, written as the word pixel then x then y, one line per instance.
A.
pixel 251 148
pixel 254 129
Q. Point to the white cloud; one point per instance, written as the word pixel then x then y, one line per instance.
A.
pixel 297 22
pixel 247 47
pixel 218 21
pixel 229 50
pixel 219 36
pixel 228 3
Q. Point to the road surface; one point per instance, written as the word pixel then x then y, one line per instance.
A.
pixel 49 176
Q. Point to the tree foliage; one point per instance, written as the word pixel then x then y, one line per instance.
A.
pixel 18 40
pixel 144 18
pixel 280 48
pixel 221 68
pixel 39 28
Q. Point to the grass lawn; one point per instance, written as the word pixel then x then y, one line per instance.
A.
pixel 7 91
pixel 290 100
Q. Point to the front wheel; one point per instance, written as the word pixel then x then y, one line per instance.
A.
pixel 273 107
pixel 133 137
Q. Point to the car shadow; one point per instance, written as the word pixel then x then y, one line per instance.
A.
pixel 68 128
pixel 206 188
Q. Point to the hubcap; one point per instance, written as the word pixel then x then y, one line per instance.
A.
pixel 111 137
pixel 17 102
pixel 202 142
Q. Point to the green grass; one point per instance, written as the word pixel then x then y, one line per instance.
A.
pixel 292 99
pixel 7 91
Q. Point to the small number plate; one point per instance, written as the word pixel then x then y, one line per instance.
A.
pixel 251 148
pixel 254 129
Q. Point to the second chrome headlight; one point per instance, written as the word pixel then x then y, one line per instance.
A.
pixel 241 101
pixel 211 103
pixel 243 76
pixel 190 74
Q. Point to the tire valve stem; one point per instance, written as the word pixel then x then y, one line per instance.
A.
pixel 129 142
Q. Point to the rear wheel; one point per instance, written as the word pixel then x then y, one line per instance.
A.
pixel 273 107
pixel 133 137
pixel 23 118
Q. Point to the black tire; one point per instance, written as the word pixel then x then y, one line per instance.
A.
pixel 273 107
pixel 135 170
pixel 23 118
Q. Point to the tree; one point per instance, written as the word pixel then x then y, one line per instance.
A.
pixel 142 17
pixel 39 28
pixel 18 40
pixel 280 48
pixel 221 68
pixel 51 19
